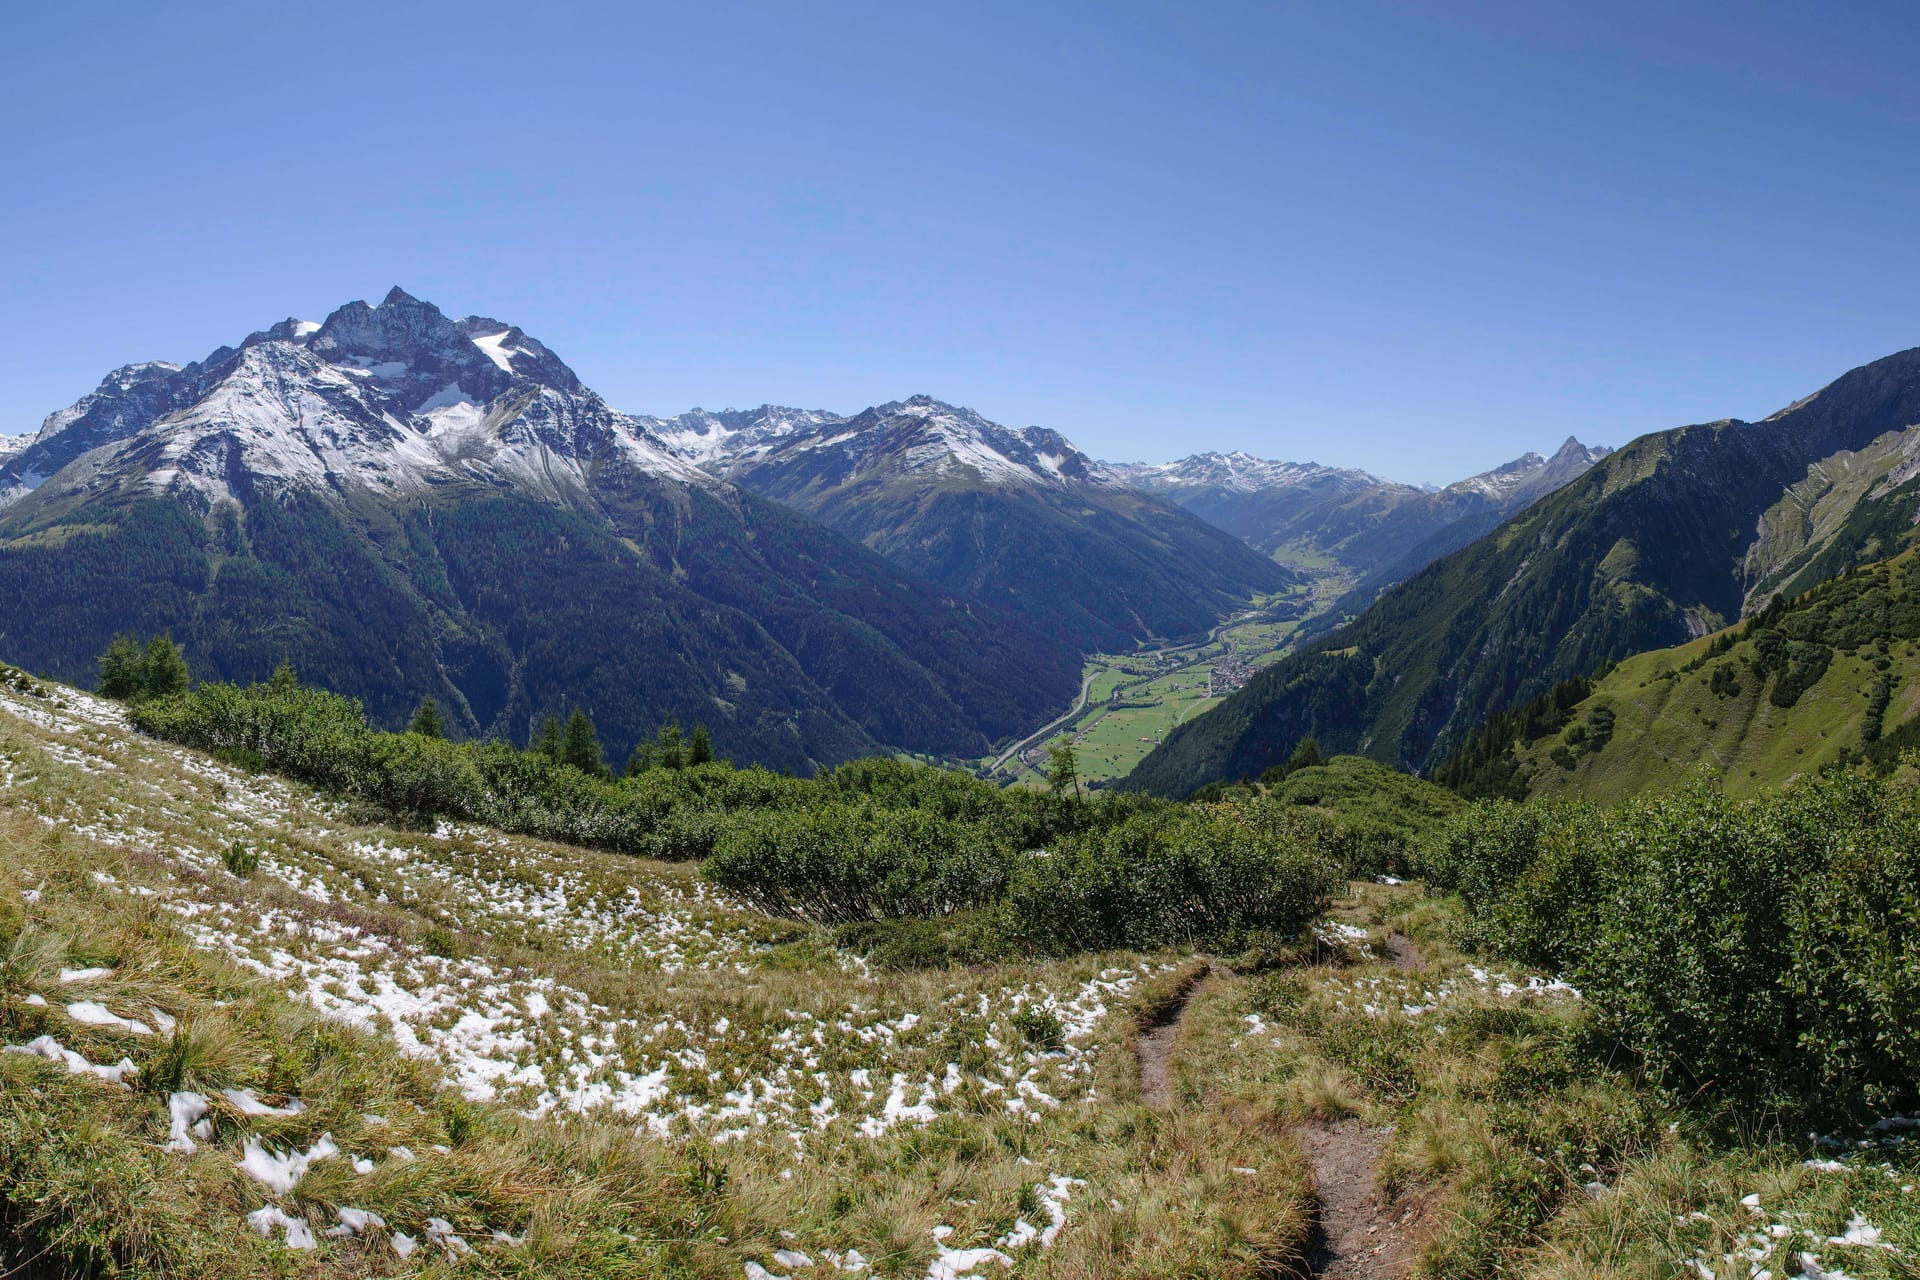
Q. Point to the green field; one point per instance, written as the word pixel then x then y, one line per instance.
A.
pixel 1158 689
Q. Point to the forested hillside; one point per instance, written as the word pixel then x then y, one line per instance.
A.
pixel 1648 548
pixel 1830 677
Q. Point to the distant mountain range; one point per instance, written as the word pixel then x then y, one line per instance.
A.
pixel 1672 536
pixel 1376 532
pixel 1019 519
pixel 405 504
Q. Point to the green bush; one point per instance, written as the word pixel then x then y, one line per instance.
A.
pixel 1760 954
pixel 839 864
pixel 242 860
pixel 1206 876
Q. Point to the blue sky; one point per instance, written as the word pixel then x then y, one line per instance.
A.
pixel 1419 239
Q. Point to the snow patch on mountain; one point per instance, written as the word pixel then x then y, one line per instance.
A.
pixel 719 440
pixel 392 399
pixel 1239 472
pixel 1530 475
pixel 918 436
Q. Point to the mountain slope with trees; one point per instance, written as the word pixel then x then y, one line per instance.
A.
pixel 405 505
pixel 1650 547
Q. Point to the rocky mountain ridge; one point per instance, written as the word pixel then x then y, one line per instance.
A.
pixel 405 504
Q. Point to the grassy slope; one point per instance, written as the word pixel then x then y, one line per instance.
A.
pixel 1512 1153
pixel 1667 728
pixel 685 1043
pixel 111 855
pixel 1670 723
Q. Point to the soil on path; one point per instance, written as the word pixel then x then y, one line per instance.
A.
pixel 1402 954
pixel 1155 1047
pixel 1357 1234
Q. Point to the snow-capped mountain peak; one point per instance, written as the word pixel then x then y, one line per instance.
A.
pixel 394 398
pixel 1239 472
pixel 919 436
pixel 924 435
pixel 1530 475
pixel 721 439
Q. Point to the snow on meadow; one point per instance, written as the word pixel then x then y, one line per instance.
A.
pixel 546 978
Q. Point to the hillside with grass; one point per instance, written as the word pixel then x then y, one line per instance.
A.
pixel 898 1023
pixel 1831 677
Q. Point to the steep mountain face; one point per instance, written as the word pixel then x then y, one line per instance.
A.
pixel 404 504
pixel 1374 531
pixel 1020 519
pixel 1666 539
pixel 1827 677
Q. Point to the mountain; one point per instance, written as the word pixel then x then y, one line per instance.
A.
pixel 1827 677
pixel 1671 537
pixel 405 504
pixel 1020 519
pixel 1324 519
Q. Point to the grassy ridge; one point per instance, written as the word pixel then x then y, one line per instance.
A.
pixel 1820 680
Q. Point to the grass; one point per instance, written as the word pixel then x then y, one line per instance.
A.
pixel 629 1071
pixel 1669 724
pixel 1516 1150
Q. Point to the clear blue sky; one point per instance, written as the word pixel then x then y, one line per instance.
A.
pixel 1415 238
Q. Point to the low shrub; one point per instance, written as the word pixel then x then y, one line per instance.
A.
pixel 840 865
pixel 1208 876
pixel 1760 955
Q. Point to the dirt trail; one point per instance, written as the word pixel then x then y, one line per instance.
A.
pixel 1155 1047
pixel 1357 1235
pixel 1402 954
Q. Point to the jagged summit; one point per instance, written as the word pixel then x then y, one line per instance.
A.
pixel 918 436
pixel 393 398
pixel 1239 472
pixel 1530 475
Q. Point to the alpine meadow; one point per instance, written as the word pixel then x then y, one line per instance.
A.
pixel 1307 669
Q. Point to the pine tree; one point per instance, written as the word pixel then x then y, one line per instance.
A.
pixel 285 679
pixel 548 742
pixel 122 669
pixel 700 750
pixel 1063 769
pixel 1305 756
pixel 669 748
pixel 164 669
pixel 580 747
pixel 426 720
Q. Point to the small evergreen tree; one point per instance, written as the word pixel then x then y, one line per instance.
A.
pixel 548 742
pixel 285 679
pixel 122 669
pixel 669 747
pixel 1063 769
pixel 700 750
pixel 1305 756
pixel 426 720
pixel 580 745
pixel 164 670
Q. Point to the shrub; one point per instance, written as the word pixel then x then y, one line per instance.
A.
pixel 1040 1027
pixel 1762 954
pixel 242 860
pixel 839 864
pixel 1206 876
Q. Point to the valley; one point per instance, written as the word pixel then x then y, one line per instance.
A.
pixel 1129 701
